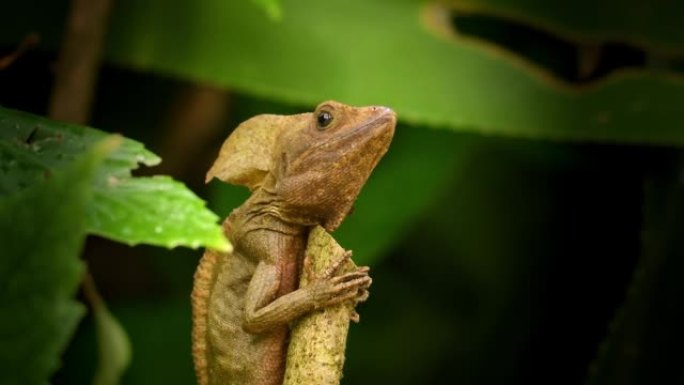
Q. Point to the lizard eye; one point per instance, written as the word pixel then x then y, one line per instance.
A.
pixel 324 118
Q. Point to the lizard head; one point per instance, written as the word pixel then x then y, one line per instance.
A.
pixel 323 164
pixel 317 161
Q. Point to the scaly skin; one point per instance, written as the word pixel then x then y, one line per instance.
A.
pixel 304 170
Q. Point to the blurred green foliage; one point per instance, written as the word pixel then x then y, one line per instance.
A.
pixel 653 25
pixel 503 244
pixel 43 230
pixel 60 182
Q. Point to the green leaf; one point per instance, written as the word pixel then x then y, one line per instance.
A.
pixel 114 348
pixel 400 53
pixel 32 147
pixel 272 8
pixel 394 53
pixel 654 23
pixel 157 210
pixel 42 229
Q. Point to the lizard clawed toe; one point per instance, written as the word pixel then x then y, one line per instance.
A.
pixel 337 264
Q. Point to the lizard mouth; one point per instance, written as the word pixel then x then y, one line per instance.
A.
pixel 382 123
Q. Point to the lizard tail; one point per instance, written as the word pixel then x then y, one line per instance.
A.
pixel 204 278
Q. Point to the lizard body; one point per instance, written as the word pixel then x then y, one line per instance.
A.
pixel 304 170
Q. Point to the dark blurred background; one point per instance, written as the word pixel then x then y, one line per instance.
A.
pixel 546 250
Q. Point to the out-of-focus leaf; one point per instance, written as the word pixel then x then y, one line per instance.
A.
pixel 396 53
pixel 382 52
pixel 411 176
pixel 518 257
pixel 653 23
pixel 113 345
pixel 645 341
pixel 272 8
pixel 157 210
pixel 160 330
pixel 42 229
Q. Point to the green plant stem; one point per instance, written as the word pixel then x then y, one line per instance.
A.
pixel 315 355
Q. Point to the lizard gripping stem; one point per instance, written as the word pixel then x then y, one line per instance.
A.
pixel 318 340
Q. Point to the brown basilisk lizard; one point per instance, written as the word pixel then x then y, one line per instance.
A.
pixel 304 170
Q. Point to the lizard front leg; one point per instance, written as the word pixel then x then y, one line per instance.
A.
pixel 263 311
